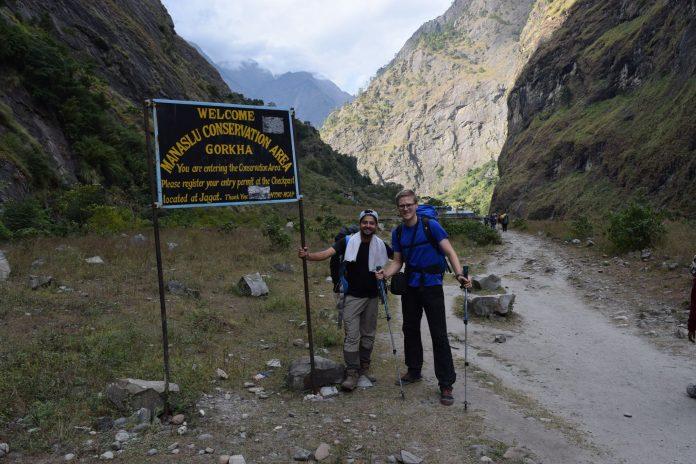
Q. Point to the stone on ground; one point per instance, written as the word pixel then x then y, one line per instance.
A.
pixel 177 288
pixel 322 452
pixel 409 458
pixel 237 459
pixel 107 456
pixel 177 419
pixel 516 453
pixel 129 394
pixel 252 285
pixel 691 390
pixel 95 260
pixel 68 457
pixel 486 305
pixel 328 392
pixel 327 372
pixel 36 282
pixel 489 282
pixel 4 449
pixel 222 375
pixel 5 269
pixel 302 454
pixel 365 382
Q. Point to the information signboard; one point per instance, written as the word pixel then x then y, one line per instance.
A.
pixel 211 154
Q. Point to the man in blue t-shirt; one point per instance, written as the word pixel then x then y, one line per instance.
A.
pixel 424 268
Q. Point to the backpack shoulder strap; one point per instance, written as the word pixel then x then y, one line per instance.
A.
pixel 431 239
pixel 429 234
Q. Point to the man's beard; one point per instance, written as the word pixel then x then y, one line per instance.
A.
pixel 369 233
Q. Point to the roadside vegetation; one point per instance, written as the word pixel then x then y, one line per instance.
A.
pixel 635 227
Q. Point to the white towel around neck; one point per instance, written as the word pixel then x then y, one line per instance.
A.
pixel 377 254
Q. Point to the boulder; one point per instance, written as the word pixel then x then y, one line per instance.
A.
pixel 252 285
pixel 4 449
pixel 133 394
pixel 485 305
pixel 36 282
pixel 326 372
pixel 490 282
pixel 4 267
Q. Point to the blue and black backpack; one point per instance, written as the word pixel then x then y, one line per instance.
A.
pixel 336 264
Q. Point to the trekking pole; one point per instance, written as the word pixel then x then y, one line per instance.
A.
pixel 383 296
pixel 465 271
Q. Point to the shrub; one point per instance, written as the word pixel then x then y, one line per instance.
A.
pixel 581 227
pixel 519 224
pixel 328 227
pixel 327 335
pixel 5 233
pixel 635 227
pixel 473 230
pixel 25 214
pixel 77 204
pixel 110 219
pixel 273 229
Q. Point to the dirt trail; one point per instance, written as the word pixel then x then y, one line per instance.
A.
pixel 580 365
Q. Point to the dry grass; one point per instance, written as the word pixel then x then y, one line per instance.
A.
pixel 59 348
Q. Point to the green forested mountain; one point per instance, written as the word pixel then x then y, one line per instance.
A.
pixel 73 75
pixel 603 112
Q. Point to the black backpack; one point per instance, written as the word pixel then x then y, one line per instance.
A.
pixel 335 264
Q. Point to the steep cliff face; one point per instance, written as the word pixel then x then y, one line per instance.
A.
pixel 73 76
pixel 603 112
pixel 439 108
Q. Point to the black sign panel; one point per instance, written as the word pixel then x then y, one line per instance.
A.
pixel 211 154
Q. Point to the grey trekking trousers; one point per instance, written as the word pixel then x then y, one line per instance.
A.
pixel 360 324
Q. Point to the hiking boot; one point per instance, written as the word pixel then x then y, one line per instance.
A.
pixel 446 397
pixel 365 370
pixel 410 377
pixel 351 380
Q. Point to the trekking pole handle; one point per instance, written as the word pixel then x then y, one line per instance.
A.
pixel 465 273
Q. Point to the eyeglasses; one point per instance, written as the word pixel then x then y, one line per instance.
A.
pixel 405 206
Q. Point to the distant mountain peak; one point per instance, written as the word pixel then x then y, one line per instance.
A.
pixel 313 96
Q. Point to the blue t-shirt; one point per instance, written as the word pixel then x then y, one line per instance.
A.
pixel 423 254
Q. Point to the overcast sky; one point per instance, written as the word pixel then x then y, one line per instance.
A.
pixel 343 40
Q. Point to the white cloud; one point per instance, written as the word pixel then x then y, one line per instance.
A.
pixel 344 40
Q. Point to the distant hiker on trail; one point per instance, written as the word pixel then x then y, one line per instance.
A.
pixel 691 389
pixel 692 311
pixel 504 219
pixel 362 253
pixel 493 219
pixel 425 265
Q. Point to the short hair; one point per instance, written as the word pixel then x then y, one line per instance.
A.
pixel 405 193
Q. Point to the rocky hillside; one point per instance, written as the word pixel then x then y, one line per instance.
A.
pixel 313 98
pixel 73 76
pixel 604 112
pixel 439 108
